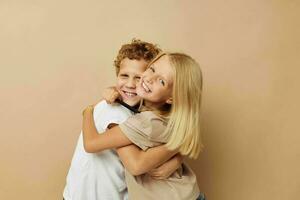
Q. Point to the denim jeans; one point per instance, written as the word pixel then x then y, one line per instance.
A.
pixel 201 196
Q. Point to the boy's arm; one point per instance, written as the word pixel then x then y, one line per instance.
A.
pixel 94 142
pixel 138 162
pixel 134 159
pixel 168 168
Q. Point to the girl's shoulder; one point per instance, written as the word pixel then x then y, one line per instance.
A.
pixel 149 116
pixel 147 122
pixel 147 127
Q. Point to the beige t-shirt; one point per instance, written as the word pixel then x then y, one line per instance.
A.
pixel 147 130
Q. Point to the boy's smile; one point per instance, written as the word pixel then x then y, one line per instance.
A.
pixel 127 79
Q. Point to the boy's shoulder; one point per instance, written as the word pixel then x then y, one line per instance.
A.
pixel 104 105
pixel 104 108
pixel 101 105
pixel 105 114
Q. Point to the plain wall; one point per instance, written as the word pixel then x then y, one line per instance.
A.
pixel 56 58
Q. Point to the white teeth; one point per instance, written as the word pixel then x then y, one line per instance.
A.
pixel 145 87
pixel 130 94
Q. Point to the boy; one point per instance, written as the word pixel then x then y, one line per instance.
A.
pixel 94 176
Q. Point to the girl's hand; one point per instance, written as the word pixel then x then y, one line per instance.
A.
pixel 168 168
pixel 110 95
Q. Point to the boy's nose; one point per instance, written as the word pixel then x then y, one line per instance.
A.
pixel 131 83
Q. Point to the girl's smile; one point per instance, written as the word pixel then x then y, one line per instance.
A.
pixel 146 88
pixel 156 83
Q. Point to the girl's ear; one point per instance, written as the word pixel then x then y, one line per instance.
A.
pixel 169 100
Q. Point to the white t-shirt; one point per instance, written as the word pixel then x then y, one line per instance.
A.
pixel 98 176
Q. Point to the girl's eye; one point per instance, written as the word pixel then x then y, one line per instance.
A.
pixel 138 78
pixel 124 75
pixel 162 82
pixel 152 69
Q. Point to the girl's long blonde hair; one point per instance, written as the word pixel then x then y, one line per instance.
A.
pixel 184 118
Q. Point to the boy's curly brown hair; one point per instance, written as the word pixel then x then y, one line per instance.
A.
pixel 137 50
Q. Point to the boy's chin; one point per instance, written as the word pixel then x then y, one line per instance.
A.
pixel 132 102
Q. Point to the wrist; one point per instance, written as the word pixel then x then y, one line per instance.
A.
pixel 89 109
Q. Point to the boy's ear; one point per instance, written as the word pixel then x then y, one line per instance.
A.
pixel 169 100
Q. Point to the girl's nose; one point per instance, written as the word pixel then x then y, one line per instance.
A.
pixel 149 78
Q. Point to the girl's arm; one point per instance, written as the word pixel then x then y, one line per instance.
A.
pixel 134 159
pixel 94 142
pixel 168 168
pixel 138 162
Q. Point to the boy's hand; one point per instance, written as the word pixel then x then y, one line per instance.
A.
pixel 168 168
pixel 110 95
pixel 88 108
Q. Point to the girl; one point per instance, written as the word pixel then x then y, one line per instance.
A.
pixel 171 90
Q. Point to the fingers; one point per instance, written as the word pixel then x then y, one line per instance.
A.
pixel 153 172
pixel 89 107
pixel 110 95
pixel 114 96
pixel 157 174
pixel 158 177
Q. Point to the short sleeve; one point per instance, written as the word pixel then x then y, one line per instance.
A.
pixel 144 130
pixel 105 114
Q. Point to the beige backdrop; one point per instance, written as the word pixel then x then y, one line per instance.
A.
pixel 56 57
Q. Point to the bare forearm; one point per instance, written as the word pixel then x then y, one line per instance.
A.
pixel 139 162
pixel 91 139
pixel 168 168
pixel 173 163
pixel 95 142
pixel 89 130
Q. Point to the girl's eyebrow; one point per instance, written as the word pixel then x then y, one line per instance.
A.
pixel 152 66
pixel 163 77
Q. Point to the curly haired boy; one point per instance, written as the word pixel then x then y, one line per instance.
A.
pixel 94 176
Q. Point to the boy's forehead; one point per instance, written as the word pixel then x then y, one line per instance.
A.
pixel 133 65
pixel 132 59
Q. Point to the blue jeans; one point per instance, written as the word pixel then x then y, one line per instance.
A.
pixel 201 196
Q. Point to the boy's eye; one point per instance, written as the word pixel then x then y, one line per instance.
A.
pixel 137 78
pixel 124 75
pixel 162 82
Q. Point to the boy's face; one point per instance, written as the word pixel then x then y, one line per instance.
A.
pixel 127 79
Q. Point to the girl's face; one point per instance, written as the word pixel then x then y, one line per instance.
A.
pixel 156 83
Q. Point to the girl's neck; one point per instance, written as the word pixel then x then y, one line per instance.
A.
pixel 153 106
pixel 161 109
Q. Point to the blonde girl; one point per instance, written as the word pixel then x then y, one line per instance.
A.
pixel 171 90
